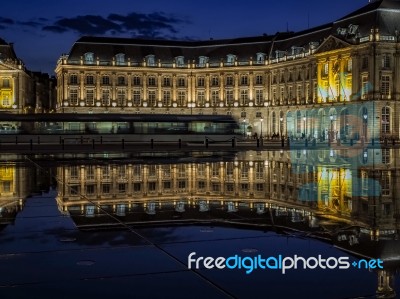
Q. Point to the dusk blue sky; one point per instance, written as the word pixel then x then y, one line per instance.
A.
pixel 42 30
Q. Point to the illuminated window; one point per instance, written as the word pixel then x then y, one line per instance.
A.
pixel 259 79
pixel 166 81
pixel 214 81
pixel 385 156
pixel 260 58
pixel 89 97
pixel 73 96
pixel 74 172
pixel 364 87
pixel 385 61
pixel 136 98
pixel 105 97
pixel 120 59
pixel 229 80
pixel 89 58
pixel 259 97
pixel 180 61
pixel 105 80
pixel 385 117
pixel 136 80
pixel 89 79
pixel 150 60
pixel 166 98
pixel 181 82
pixel 200 82
pixel 326 69
pixel 349 65
pixel 244 80
pixel 202 61
pixel 214 98
pixel 73 79
pixel 229 98
pixel 200 98
pixel 121 80
pixel 385 85
pixel 121 97
pixel 151 81
pixel 230 59
pixel 385 181
pixel 152 98
pixel 181 98
pixel 244 97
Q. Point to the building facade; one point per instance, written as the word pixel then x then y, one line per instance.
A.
pixel 336 81
pixel 16 86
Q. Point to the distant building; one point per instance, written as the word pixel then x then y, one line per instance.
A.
pixel 16 86
pixel 336 81
pixel 44 92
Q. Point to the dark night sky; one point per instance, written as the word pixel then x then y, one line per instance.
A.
pixel 44 29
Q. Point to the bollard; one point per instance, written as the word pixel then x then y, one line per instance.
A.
pixel 206 142
pixel 180 143
pixel 152 143
pixel 93 143
pixel 38 140
pixel 31 143
pixel 123 143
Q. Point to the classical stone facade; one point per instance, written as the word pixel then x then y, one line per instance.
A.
pixel 16 86
pixel 336 81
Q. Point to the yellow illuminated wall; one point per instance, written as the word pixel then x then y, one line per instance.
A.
pixel 7 175
pixel 334 79
pixel 334 188
pixel 6 92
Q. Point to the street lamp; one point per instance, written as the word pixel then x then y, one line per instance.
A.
pixel 365 125
pixel 262 120
pixel 331 134
pixel 244 127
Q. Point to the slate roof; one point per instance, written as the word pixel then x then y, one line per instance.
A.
pixel 7 51
pixel 382 14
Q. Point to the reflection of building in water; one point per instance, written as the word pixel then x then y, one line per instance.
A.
pixel 335 182
pixel 349 195
pixel 15 186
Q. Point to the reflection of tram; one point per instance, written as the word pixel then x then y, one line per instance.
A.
pixel 167 124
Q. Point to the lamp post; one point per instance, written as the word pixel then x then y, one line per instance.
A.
pixel 261 133
pixel 244 127
pixel 365 125
pixel 331 134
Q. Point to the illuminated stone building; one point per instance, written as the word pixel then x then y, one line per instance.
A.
pixel 16 86
pixel 336 81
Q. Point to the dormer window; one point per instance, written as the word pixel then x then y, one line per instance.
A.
pixel 180 61
pixel 120 59
pixel 279 54
pixel 202 61
pixel 297 50
pixel 151 60
pixel 230 59
pixel 260 58
pixel 89 58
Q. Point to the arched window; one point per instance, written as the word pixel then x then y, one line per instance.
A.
pixel 202 61
pixel 180 61
pixel 151 60
pixel 385 126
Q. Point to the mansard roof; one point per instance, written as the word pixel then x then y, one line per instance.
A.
pixel 382 14
pixel 7 51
